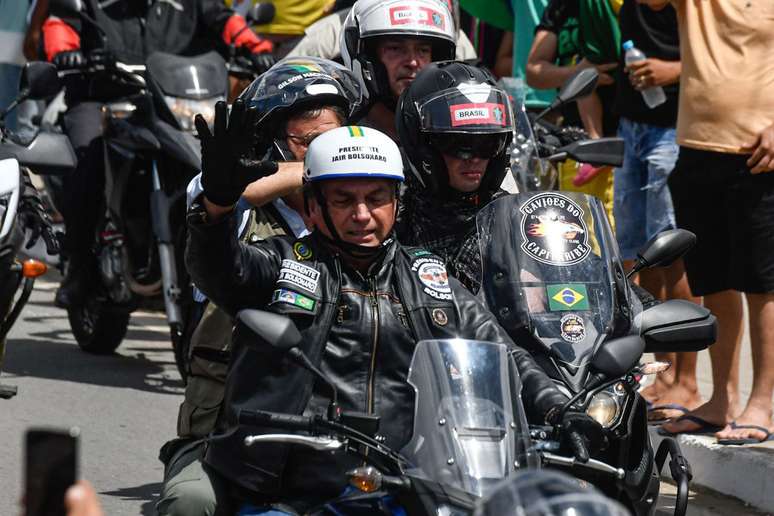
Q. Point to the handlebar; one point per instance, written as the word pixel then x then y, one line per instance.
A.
pixel 274 420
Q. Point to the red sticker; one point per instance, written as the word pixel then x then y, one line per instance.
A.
pixel 475 114
pixel 407 15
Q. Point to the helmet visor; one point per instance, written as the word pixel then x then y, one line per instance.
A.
pixel 467 146
pixel 478 108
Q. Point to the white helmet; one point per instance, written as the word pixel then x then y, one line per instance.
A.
pixel 352 152
pixel 369 19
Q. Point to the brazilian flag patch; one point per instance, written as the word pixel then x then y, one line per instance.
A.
pixel 567 296
pixel 355 130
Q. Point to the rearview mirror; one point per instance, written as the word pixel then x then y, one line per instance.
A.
pixel 261 13
pixel 578 85
pixel 39 80
pixel 618 356
pixel 663 249
pixel 677 325
pixel 599 152
pixel 278 331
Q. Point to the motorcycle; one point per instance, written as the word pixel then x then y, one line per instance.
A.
pixel 470 429
pixel 151 153
pixel 553 277
pixel 21 209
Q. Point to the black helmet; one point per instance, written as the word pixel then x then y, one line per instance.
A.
pixel 297 83
pixel 370 19
pixel 446 104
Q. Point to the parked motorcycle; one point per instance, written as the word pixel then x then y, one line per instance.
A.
pixel 21 209
pixel 553 277
pixel 151 153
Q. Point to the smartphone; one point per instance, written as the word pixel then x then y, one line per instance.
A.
pixel 50 468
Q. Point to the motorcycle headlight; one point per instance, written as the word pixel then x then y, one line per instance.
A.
pixel 185 110
pixel 603 408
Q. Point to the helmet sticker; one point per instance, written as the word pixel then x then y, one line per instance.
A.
pixel 298 275
pixel 475 114
pixel 572 328
pixel 432 274
pixel 411 15
pixel 553 230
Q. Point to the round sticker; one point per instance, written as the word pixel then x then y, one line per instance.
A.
pixel 433 275
pixel 440 317
pixel 553 230
pixel 572 328
pixel 302 251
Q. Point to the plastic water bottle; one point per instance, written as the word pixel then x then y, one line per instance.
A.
pixel 653 96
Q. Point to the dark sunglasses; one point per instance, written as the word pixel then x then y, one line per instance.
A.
pixel 468 146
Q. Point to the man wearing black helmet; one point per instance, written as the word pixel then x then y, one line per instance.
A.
pixel 298 99
pixel 454 124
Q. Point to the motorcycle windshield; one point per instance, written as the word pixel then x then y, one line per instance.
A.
pixel 470 430
pixel 546 261
pixel 529 171
pixel 196 78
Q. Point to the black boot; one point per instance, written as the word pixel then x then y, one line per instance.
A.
pixel 74 288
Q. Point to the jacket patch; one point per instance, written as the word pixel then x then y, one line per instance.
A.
pixel 299 275
pixel 440 317
pixel 302 251
pixel 282 295
pixel 432 273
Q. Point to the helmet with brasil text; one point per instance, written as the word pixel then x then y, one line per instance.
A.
pixel 456 109
pixel 351 152
pixel 370 19
pixel 294 85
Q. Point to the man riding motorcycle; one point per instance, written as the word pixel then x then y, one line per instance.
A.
pixel 359 298
pixel 454 124
pixel 292 114
pixel 127 32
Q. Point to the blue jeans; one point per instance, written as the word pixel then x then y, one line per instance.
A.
pixel 9 88
pixel 642 204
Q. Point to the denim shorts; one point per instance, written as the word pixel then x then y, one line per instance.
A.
pixel 642 204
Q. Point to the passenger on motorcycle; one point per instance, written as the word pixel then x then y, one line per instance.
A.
pixel 127 32
pixel 454 124
pixel 297 100
pixel 360 299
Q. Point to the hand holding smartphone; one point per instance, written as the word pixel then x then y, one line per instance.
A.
pixel 50 469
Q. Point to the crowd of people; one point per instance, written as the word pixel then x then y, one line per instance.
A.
pixel 356 150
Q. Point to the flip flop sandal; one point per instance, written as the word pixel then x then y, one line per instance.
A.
pixel 705 427
pixel 748 440
pixel 666 406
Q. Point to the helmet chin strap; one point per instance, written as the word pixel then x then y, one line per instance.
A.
pixel 355 251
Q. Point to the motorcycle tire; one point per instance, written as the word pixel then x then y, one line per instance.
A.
pixel 96 328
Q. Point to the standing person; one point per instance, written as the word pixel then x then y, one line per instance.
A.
pixel 129 32
pixel 723 191
pixel 292 113
pixel 13 24
pixel 642 202
pixel 454 124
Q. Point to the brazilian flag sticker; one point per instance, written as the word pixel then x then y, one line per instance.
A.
pixel 567 296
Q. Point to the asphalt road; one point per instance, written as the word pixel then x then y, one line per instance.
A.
pixel 125 405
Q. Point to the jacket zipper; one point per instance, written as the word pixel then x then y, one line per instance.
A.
pixel 374 344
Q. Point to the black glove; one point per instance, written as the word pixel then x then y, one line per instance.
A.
pixel 226 166
pixel 581 434
pixel 262 62
pixel 34 216
pixel 69 59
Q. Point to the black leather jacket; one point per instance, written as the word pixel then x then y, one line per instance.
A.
pixel 360 328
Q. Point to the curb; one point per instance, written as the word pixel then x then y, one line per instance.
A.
pixel 744 472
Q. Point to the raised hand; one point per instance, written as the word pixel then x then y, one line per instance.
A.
pixel 226 166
